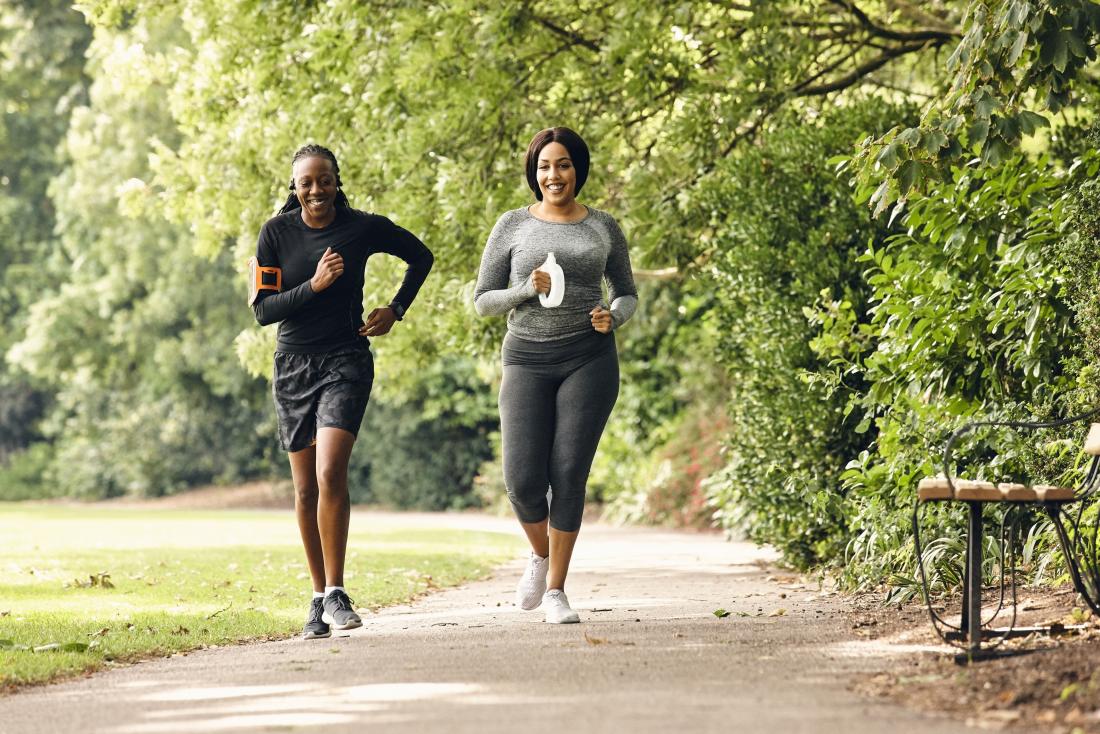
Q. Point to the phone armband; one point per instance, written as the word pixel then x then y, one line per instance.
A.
pixel 262 279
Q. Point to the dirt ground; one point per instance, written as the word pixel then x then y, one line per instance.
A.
pixel 1040 683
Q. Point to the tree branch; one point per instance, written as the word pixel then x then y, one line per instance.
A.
pixel 874 29
pixel 573 36
pixel 863 70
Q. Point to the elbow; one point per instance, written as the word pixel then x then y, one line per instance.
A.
pixel 262 317
pixel 481 307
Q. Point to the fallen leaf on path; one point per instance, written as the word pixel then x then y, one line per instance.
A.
pixel 444 624
pixel 720 613
pixel 601 610
pixel 594 640
pixel 778 613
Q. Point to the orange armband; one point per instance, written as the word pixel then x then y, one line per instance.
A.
pixel 262 279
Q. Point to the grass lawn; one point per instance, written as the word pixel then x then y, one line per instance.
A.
pixel 83 586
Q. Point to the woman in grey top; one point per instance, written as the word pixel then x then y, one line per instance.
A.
pixel 561 369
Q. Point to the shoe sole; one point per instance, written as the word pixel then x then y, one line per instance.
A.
pixel 347 626
pixel 316 636
pixel 564 621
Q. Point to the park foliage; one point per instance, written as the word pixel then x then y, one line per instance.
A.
pixel 855 224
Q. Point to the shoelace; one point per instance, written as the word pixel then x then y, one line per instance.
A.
pixel 342 601
pixel 533 568
pixel 315 610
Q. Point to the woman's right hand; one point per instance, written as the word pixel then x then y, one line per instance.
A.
pixel 541 281
pixel 329 268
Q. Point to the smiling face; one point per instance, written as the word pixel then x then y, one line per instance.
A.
pixel 316 187
pixel 556 176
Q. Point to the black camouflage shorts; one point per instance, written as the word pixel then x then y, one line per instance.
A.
pixel 315 391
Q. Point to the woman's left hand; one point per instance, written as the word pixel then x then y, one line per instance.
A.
pixel 601 319
pixel 379 322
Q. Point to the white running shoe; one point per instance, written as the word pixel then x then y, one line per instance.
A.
pixel 532 584
pixel 558 610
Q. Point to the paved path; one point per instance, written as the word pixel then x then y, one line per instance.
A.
pixel 649 656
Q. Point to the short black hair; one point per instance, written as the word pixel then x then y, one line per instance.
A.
pixel 578 151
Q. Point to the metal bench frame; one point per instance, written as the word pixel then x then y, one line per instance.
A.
pixel 1081 550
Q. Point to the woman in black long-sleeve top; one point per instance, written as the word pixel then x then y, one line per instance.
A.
pixel 308 276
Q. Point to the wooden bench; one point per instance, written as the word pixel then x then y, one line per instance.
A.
pixel 1080 549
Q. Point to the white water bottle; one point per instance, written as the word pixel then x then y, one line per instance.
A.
pixel 557 283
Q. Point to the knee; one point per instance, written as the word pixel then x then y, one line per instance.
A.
pixel 527 493
pixel 332 477
pixel 526 487
pixel 305 492
pixel 570 476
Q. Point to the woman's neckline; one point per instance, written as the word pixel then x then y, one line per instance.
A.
pixel 587 214
pixel 302 222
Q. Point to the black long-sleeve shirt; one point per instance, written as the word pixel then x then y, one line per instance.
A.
pixel 313 323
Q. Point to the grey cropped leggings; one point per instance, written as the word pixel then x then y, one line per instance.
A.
pixel 555 399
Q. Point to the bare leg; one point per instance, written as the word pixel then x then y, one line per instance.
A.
pixel 304 473
pixel 537 537
pixel 333 506
pixel 561 552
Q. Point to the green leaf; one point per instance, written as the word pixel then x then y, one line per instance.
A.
pixel 6 644
pixel 910 138
pixel 1017 48
pixel 1031 121
pixel 1055 50
pixel 74 647
pixel 896 212
pixel 1077 45
pixel 907 177
pixel 1032 319
pixel 933 141
pixel 888 158
pixel 978 133
pixel 994 152
pixel 985 104
pixel 720 613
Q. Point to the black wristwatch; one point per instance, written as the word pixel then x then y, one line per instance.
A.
pixel 398 310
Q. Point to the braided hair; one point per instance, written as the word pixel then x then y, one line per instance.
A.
pixel 307 151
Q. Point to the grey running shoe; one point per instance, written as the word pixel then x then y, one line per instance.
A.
pixel 338 611
pixel 315 626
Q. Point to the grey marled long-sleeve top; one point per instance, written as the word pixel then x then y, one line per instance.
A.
pixel 587 251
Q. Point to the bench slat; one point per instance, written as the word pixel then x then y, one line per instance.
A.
pixel 932 489
pixel 1092 441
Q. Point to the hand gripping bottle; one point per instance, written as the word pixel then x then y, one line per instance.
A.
pixel 557 283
